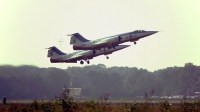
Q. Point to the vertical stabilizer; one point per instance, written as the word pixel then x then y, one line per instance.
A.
pixel 54 52
pixel 77 39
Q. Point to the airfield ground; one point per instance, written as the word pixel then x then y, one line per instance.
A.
pixel 101 105
pixel 111 101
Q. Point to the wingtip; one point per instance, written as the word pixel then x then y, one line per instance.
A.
pixel 49 47
pixel 126 46
pixel 161 30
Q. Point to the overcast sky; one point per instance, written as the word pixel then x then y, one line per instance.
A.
pixel 29 26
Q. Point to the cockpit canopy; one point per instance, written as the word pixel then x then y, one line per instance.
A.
pixel 139 31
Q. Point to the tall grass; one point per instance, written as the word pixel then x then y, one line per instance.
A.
pixel 65 103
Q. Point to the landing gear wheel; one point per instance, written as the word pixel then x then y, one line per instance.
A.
pixel 88 62
pixel 134 42
pixel 81 62
pixel 107 57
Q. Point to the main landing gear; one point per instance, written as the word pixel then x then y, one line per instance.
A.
pixel 88 62
pixel 107 57
pixel 82 62
pixel 134 42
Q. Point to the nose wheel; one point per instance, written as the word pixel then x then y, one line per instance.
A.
pixel 134 42
pixel 107 57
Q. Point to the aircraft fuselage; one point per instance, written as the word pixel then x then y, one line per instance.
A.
pixel 112 40
pixel 83 55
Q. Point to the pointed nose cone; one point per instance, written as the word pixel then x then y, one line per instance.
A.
pixel 152 32
pixel 148 33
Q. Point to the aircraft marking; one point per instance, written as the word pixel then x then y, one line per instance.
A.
pixel 74 40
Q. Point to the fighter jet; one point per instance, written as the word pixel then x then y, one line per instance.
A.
pixel 57 56
pixel 81 43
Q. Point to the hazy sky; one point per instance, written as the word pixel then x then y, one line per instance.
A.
pixel 29 26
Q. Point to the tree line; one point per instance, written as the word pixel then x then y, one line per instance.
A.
pixel 31 82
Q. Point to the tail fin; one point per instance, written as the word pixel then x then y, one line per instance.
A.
pixel 54 52
pixel 77 39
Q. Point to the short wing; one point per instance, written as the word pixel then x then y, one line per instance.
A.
pixel 104 41
pixel 77 56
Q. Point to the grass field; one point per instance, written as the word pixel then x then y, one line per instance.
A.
pixel 111 101
pixel 66 103
pixel 69 105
